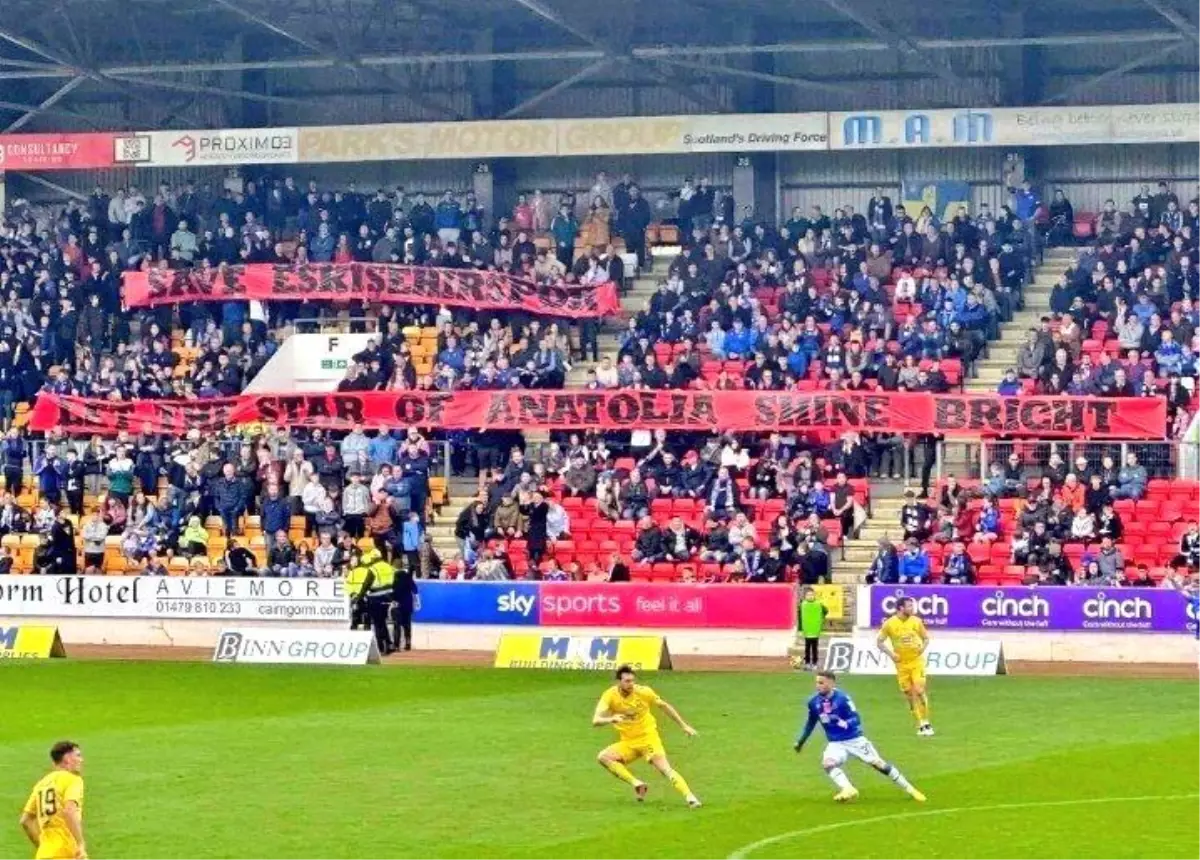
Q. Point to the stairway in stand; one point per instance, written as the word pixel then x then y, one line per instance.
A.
pixel 1002 353
pixel 459 493
pixel 461 490
pixel 632 303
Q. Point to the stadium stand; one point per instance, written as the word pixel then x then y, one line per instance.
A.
pixel 1119 321
pixel 849 302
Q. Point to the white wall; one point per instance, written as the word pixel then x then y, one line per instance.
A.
pixel 308 362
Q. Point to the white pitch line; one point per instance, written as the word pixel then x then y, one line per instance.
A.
pixel 746 850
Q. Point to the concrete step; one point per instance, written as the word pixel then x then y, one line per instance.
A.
pixel 994 362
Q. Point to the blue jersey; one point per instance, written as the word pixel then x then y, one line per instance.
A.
pixel 836 714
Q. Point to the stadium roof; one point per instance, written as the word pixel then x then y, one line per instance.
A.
pixel 166 59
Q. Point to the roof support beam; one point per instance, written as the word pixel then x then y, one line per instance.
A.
pixel 21 107
pixel 436 108
pixel 66 68
pixel 268 25
pixel 731 71
pixel 1112 74
pixel 26 64
pixel 543 11
pixel 614 51
pixel 53 186
pixel 49 102
pixel 840 46
pixel 1148 37
pixel 184 87
pixel 41 50
pixel 652 72
pixel 1175 19
pixel 565 84
pixel 895 39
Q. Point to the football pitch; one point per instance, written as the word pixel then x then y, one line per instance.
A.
pixel 197 760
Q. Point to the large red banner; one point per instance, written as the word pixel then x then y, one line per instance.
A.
pixel 894 412
pixel 369 282
pixel 56 151
pixel 656 605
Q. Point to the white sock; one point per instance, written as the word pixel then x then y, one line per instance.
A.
pixel 839 778
pixel 894 774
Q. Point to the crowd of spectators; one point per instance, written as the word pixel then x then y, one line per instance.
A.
pixel 830 298
pixel 719 506
pixel 64 325
pixel 885 298
pixel 1060 522
pixel 1123 320
pixel 279 503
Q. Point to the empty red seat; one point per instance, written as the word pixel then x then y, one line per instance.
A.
pixel 1146 509
pixel 662 570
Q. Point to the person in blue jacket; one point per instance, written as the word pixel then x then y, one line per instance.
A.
pixel 914 564
pixel 1009 386
pixel 739 341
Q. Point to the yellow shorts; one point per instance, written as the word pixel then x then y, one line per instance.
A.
pixel 54 849
pixel 635 748
pixel 910 675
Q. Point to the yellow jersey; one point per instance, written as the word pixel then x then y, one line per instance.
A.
pixel 46 803
pixel 639 719
pixel 907 636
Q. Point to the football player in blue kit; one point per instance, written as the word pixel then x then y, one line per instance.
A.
pixel 836 713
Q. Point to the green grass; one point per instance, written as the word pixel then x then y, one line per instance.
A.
pixel 197 760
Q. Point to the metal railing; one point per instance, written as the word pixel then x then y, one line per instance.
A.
pixel 1160 459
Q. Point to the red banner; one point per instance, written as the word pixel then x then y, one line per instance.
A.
pixel 623 604
pixel 56 151
pixel 368 282
pixel 895 412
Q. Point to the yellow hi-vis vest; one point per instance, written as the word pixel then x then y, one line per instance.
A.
pixel 385 575
pixel 355 580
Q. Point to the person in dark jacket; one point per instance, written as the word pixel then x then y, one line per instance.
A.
pixel 648 546
pixel 1062 220
pixel 472 524
pixel 618 570
pixel 958 568
pixel 229 498
pixel 680 541
pixel 73 482
pixel 51 472
pixel 406 599
pixel 813 563
pixel 632 222
pixel 281 558
pixel 92 327
pixel 14 461
pixel 885 567
pixel 276 514
pixel 536 512
pixel 62 541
